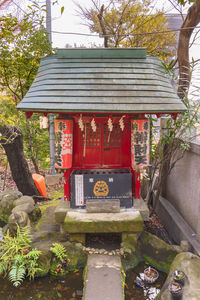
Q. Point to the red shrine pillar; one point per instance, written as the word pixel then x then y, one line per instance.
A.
pixel 140 130
pixel 64 150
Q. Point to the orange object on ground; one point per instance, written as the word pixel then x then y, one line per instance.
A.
pixel 40 184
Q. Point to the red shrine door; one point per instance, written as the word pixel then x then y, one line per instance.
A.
pixel 102 148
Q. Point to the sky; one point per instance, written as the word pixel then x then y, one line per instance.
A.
pixel 69 21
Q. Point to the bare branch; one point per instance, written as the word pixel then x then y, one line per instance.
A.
pixel 191 21
pixel 101 22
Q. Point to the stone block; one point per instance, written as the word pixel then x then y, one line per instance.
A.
pixel 53 179
pixel 18 218
pixel 158 253
pixel 82 222
pixel 190 265
pixel 44 261
pixel 141 205
pixel 23 200
pixel 61 211
pixel 78 238
pixel 130 241
pixel 10 195
pixel 27 207
pixel 103 206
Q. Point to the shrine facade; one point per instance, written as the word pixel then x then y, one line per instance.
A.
pixel 102 100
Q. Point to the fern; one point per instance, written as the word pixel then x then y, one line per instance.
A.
pixel 14 259
pixel 31 262
pixel 17 274
pixel 3 267
pixel 59 251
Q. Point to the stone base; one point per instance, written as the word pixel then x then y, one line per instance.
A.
pixel 78 238
pixel 141 205
pixel 83 222
pixel 61 211
pixel 53 179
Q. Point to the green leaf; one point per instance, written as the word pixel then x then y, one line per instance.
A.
pixel 59 294
pixel 62 10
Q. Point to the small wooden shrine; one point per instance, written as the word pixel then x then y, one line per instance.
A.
pixel 101 99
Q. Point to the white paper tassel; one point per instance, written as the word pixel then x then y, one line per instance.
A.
pixel 80 123
pixel 110 125
pixel 44 122
pixel 121 123
pixel 93 125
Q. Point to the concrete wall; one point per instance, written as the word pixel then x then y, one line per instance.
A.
pixel 183 187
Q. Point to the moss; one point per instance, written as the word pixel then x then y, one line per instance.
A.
pixel 85 271
pixel 44 261
pixel 160 265
pixel 3 219
pixel 78 257
pixel 129 240
pixel 57 194
pixel 158 253
pixel 35 215
pixel 129 261
pixel 46 204
pixel 78 238
pixel 43 208
pixel 80 226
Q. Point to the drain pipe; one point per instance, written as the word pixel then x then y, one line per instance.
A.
pixel 51 116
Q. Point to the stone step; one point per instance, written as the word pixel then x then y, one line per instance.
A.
pixel 103 206
pixel 82 222
pixel 104 280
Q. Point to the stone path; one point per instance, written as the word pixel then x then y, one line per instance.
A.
pixel 103 279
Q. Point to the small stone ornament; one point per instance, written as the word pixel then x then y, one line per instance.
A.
pixel 175 289
pixel 179 276
pixel 150 275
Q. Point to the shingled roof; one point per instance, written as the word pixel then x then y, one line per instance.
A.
pixel 101 80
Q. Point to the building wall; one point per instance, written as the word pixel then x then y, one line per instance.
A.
pixel 183 187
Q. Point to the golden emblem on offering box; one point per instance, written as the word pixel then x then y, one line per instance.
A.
pixel 101 189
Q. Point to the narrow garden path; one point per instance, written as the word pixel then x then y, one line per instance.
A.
pixel 104 280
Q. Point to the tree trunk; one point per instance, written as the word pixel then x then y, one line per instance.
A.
pixel 13 146
pixel 191 21
pixel 103 28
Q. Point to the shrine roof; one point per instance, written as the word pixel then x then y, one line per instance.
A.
pixel 120 80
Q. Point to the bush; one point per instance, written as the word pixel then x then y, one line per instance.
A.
pixel 17 259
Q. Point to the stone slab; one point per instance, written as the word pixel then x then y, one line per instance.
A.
pixel 61 211
pixel 78 238
pixel 83 222
pixel 103 280
pixel 190 265
pixel 141 205
pixel 103 206
pixel 27 207
pixel 175 224
pixel 53 179
pixel 23 200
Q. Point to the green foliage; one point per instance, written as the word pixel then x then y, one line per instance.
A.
pixel 23 42
pixel 59 251
pixel 17 259
pixel 17 272
pixel 31 264
pixel 3 267
pixel 61 260
pixel 183 2
pixel 127 23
